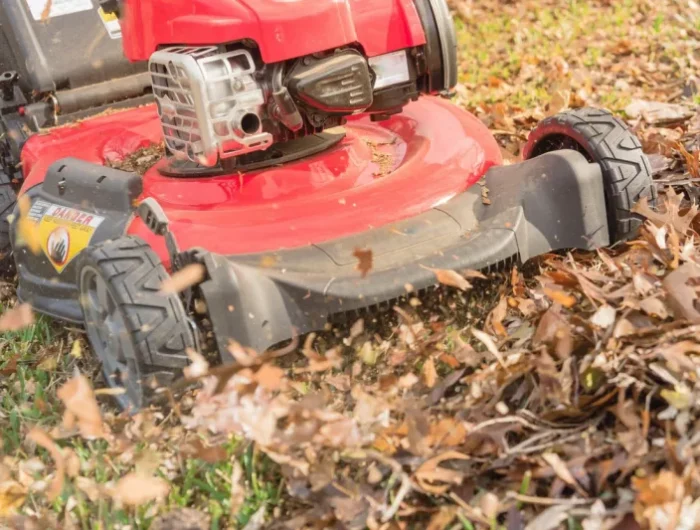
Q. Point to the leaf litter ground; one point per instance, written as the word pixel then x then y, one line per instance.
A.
pixel 561 395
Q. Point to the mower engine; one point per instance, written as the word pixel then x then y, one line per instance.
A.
pixel 218 102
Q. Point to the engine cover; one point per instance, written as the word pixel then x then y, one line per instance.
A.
pixel 210 104
pixel 340 83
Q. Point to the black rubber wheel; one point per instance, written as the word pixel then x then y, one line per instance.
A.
pixel 8 200
pixel 606 140
pixel 138 333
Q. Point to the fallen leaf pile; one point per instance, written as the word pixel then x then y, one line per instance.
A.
pixel 561 393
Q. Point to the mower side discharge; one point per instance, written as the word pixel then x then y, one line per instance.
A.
pixel 551 202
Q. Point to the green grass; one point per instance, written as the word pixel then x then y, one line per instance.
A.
pixel 28 398
pixel 497 43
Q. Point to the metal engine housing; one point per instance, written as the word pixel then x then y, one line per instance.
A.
pixel 209 102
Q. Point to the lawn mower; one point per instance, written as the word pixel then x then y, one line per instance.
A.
pixel 298 136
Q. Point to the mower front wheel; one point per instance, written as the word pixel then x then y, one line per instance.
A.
pixel 606 140
pixel 138 333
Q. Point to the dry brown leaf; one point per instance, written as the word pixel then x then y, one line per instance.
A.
pixel 443 518
pixel 114 391
pixel 182 519
pixel 19 317
pixel 185 278
pixel 198 366
pixel 451 278
pixel 494 321
pixel 42 439
pixel 487 341
pixel 692 160
pixel 46 13
pixel 654 307
pixel 555 331
pixel 435 479
pixel 238 489
pixel 135 489
pixel 429 373
pixel 658 112
pixel 11 366
pixel 561 97
pixel 561 469
pixel 49 362
pixel 269 377
pixel 12 497
pixel 489 505
pixel 604 317
pixel 364 261
pixel 671 216
pixel 78 397
pixel 471 274
pixel 448 432
pixel 357 329
pixel 560 297
pixel 659 497
pixel 208 453
pixel 268 261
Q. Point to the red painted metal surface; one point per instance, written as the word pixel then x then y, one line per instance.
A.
pixel 283 29
pixel 380 173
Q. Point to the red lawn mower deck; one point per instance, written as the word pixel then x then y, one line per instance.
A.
pixel 281 163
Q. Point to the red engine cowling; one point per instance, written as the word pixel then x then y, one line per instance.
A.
pixel 282 29
pixel 234 77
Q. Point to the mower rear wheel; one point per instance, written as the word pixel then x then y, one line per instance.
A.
pixel 138 333
pixel 8 200
pixel 606 140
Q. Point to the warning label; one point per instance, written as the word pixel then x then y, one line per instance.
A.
pixel 44 9
pixel 64 232
pixel 111 23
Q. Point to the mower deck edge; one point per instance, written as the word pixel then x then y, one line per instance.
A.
pixel 555 201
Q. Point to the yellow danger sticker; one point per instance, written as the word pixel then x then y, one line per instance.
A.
pixel 63 232
pixel 111 23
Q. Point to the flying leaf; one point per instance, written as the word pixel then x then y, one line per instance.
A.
pixel 451 278
pixel 19 317
pixel 185 278
pixel 76 350
pixel 81 406
pixel 42 439
pixel 487 341
pixel 604 317
pixel 46 13
pixel 135 489
pixel 429 373
pixel 471 274
pixel 269 377
pixel 364 261
pixel 198 366
pixel 561 297
pixel 12 496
